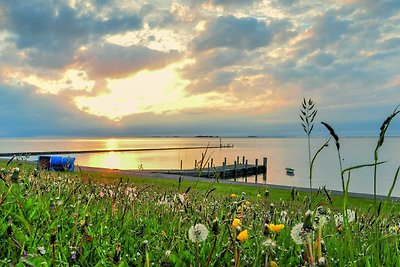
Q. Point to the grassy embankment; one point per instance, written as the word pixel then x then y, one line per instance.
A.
pixel 65 219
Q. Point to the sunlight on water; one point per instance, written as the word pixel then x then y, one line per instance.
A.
pixel 281 153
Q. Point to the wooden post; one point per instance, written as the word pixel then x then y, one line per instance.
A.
pixel 208 170
pixel 181 164
pixel 245 171
pixel 243 160
pixel 256 170
pixel 237 160
pixel 195 164
pixel 225 161
pixel 265 169
pixel 234 171
pixel 212 162
pixel 223 170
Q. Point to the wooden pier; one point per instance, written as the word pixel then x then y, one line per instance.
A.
pixel 67 152
pixel 225 171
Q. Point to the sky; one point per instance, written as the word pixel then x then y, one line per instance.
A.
pixel 197 67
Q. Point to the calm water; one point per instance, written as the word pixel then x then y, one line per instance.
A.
pixel 281 153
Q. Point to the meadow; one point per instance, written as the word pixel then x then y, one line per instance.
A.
pixel 72 219
pixel 67 219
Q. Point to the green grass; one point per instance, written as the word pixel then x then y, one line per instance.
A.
pixel 65 219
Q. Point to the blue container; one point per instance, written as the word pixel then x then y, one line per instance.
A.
pixel 56 163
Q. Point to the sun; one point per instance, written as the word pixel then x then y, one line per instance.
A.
pixel 146 91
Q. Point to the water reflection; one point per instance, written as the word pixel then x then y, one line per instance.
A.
pixel 281 153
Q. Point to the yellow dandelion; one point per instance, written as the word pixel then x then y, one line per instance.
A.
pixel 275 228
pixel 236 222
pixel 243 236
pixel 247 203
pixel 232 195
pixel 273 264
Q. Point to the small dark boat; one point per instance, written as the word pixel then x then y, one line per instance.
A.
pixel 290 171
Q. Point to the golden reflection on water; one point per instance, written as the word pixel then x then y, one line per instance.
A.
pixel 113 160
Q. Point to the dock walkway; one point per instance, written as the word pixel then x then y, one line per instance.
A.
pixel 67 152
pixel 221 172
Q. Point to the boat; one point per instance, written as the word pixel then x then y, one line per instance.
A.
pixel 290 171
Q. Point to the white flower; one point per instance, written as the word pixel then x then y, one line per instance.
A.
pixel 41 250
pixel 283 218
pixel 181 198
pixel 168 253
pixel 198 233
pixel 269 243
pixel 351 216
pixel 298 234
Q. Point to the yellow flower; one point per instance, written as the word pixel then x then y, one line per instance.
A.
pixel 236 222
pixel 276 228
pixel 232 195
pixel 243 235
pixel 247 203
pixel 273 264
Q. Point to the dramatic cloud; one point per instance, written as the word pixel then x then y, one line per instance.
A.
pixel 113 61
pixel 102 67
pixel 242 33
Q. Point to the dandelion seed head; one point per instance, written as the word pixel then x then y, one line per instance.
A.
pixel 269 243
pixel 198 233
pixel 298 234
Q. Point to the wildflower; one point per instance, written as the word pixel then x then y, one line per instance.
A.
pixel 247 203
pixel 273 264
pixel 236 222
pixel 299 234
pixel 269 243
pixel 283 218
pixel 198 233
pixel 181 198
pixel 232 195
pixel 351 216
pixel 41 250
pixel 258 195
pixel 276 228
pixel 322 261
pixel 243 236
pixel 167 253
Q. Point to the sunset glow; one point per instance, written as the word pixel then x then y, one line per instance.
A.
pixel 135 67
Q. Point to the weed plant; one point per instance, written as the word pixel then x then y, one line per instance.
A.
pixel 62 219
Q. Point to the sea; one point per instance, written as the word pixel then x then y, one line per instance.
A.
pixel 281 153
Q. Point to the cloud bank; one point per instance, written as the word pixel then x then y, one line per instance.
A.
pixel 104 68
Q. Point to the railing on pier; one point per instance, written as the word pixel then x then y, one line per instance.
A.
pixel 233 171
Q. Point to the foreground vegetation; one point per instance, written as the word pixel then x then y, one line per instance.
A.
pixel 66 219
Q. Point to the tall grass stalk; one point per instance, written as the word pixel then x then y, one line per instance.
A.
pixel 383 129
pixel 307 116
